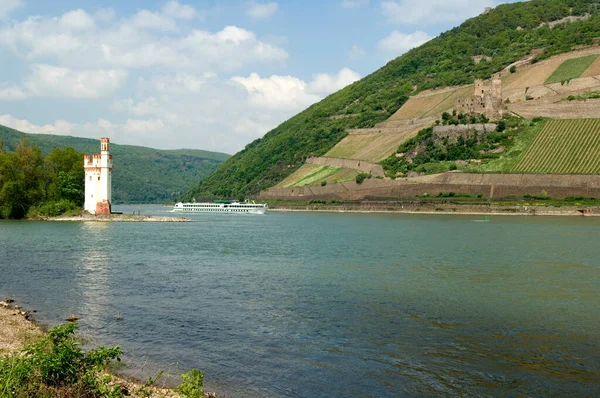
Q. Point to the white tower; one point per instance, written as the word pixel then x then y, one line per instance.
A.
pixel 98 180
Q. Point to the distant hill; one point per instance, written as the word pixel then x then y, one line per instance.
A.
pixel 141 174
pixel 478 48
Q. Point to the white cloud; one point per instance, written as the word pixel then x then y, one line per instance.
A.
pixel 53 81
pixel 276 92
pixel 9 91
pixel 8 6
pixel 288 92
pixel 105 124
pixel 327 84
pixel 397 43
pixel 353 3
pixel 356 53
pixel 104 14
pixel 430 12
pixel 176 98
pixel 179 83
pixel 28 127
pixel 145 19
pixel 148 39
pixel 77 20
pixel 143 126
pixel 261 10
pixel 177 10
pixel 251 128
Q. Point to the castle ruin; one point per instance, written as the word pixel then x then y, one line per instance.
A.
pixel 98 180
pixel 486 99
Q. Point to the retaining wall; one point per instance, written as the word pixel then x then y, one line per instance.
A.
pixel 374 169
pixel 489 185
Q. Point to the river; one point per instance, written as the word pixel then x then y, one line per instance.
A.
pixel 327 305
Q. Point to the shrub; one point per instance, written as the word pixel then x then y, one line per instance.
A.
pixel 501 126
pixel 192 385
pixel 446 195
pixel 57 364
pixel 53 209
pixel 513 69
pixel 323 183
pixel 361 177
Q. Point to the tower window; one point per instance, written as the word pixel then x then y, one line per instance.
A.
pixel 90 178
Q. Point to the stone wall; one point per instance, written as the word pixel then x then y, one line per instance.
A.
pixel 464 130
pixel 374 169
pixel 489 185
pixel 563 110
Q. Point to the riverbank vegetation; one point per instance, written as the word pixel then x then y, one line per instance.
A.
pixel 55 366
pixel 504 35
pixel 32 184
pixel 540 200
pixel 472 151
pixel 140 174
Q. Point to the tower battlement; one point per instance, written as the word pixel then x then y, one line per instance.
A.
pixel 98 179
pixel 486 99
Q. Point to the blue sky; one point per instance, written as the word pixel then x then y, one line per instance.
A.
pixel 209 75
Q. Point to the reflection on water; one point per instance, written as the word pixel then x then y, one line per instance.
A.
pixel 327 304
pixel 93 273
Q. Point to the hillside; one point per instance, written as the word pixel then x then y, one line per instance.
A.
pixel 478 48
pixel 140 175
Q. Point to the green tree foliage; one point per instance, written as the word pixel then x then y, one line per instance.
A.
pixel 30 182
pixel 67 166
pixel 140 175
pixel 444 61
pixel 429 153
pixel 22 180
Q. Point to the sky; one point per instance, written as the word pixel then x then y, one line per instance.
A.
pixel 201 74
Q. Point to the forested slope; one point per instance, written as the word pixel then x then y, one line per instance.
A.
pixel 140 175
pixel 506 34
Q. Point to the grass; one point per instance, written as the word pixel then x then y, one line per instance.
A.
pixel 507 161
pixel 571 69
pixel 583 97
pixel 315 175
pixel 564 147
pixel 343 175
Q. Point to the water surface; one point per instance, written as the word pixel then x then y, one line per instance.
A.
pixel 327 305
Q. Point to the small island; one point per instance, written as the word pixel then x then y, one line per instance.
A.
pixel 113 217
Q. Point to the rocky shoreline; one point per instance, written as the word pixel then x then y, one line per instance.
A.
pixel 112 218
pixel 444 209
pixel 18 329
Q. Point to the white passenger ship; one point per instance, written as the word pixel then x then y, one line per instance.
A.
pixel 222 207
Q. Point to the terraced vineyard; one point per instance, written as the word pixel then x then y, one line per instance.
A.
pixel 307 175
pixel 571 69
pixel 371 147
pixel 564 147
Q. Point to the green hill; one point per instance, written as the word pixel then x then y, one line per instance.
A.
pixel 140 174
pixel 504 35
